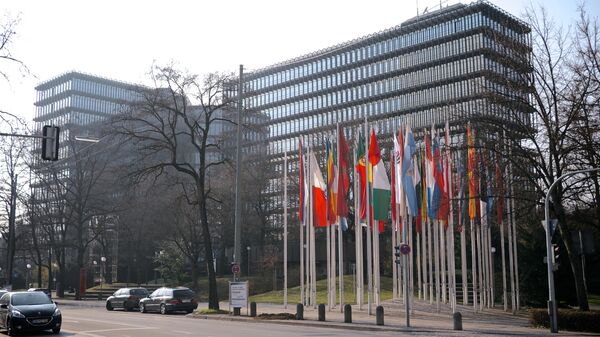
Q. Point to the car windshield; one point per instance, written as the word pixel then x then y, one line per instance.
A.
pixel 32 298
pixel 183 293
pixel 139 292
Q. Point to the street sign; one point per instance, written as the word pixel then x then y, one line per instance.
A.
pixel 238 294
pixel 404 249
pixel 553 224
pixel 235 268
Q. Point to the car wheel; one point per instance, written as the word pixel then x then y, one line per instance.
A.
pixel 109 306
pixel 56 331
pixel 142 308
pixel 9 328
pixel 163 309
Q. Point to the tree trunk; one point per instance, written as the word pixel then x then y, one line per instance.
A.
pixel 213 296
pixel 10 252
pixel 194 264
pixel 574 257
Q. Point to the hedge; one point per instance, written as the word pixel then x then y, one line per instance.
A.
pixel 568 319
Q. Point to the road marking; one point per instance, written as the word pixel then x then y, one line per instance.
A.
pixel 182 332
pixel 92 333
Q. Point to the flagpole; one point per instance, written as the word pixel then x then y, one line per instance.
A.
pixel 479 264
pixel 504 290
pixel 473 265
pixel 301 224
pixel 369 220
pixel 411 293
pixel 308 231
pixel 358 237
pixel 285 243
pixel 327 228
pixel 430 256
pixel 514 230
pixel 340 234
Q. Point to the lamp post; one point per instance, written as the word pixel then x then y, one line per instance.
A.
pixel 27 276
pixel 103 259
pixel 552 312
pixel 248 251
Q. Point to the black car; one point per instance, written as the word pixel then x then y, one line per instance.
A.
pixel 126 298
pixel 166 300
pixel 29 311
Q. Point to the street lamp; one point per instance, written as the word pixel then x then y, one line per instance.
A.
pixel 103 259
pixel 27 275
pixel 552 311
pixel 248 250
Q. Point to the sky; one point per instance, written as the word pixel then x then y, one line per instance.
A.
pixel 122 39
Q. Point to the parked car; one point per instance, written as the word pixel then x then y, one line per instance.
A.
pixel 44 290
pixel 166 300
pixel 126 298
pixel 29 311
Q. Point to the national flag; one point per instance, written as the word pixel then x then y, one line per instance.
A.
pixel 302 185
pixel 361 171
pixel 408 172
pixel 319 190
pixel 393 174
pixel 471 173
pixel 380 182
pixel 343 181
pixel 331 185
pixel 500 191
pixel 418 160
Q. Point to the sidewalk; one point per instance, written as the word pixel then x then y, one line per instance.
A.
pixel 424 319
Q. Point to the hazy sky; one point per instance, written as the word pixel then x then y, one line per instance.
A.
pixel 121 39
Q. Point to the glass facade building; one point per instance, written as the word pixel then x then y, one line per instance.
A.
pixel 444 65
pixel 426 70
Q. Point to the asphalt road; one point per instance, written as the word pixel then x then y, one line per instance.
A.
pixel 95 322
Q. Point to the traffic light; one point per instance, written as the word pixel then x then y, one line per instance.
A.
pixel 555 252
pixel 397 254
pixel 50 142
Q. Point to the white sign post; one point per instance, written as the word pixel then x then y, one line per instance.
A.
pixel 238 295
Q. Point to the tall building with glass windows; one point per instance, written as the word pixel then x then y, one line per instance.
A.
pixel 444 65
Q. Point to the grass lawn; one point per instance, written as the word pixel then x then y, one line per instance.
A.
pixel 349 294
pixel 594 299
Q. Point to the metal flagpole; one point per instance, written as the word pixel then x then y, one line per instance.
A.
pixel 333 267
pixel 504 291
pixel 479 264
pixel 436 248
pixel 369 221
pixel 300 226
pixel 411 292
pixel 340 234
pixel 308 230
pixel 424 256
pixel 328 238
pixel 419 278
pixel 394 264
pixel 285 243
pixel 430 256
pixel 473 265
pixel 510 262
pixel 443 262
pixel 358 237
pixel 491 266
pixel 514 232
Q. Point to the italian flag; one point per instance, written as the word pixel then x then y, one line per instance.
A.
pixel 380 182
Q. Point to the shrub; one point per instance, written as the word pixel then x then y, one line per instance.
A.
pixel 568 319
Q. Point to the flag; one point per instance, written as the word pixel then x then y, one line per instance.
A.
pixel 419 191
pixel 393 174
pixel 331 184
pixel 361 171
pixel 319 190
pixel 343 181
pixel 302 185
pixel 471 173
pixel 500 189
pixel 408 172
pixel 380 181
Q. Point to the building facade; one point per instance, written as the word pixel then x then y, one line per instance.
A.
pixel 451 64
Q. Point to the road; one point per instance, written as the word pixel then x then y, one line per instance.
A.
pixel 96 322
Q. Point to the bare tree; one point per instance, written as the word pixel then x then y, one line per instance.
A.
pixel 14 151
pixel 172 127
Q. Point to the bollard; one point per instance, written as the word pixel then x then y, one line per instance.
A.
pixel 252 309
pixel 299 311
pixel 457 318
pixel 347 313
pixel 321 312
pixel 237 311
pixel 379 315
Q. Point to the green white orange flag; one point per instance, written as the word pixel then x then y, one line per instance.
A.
pixel 380 182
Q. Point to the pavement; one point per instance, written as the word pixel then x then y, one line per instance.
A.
pixel 424 319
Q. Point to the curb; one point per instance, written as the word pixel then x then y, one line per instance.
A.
pixel 331 325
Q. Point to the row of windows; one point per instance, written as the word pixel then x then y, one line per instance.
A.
pixel 382 47
pixel 413 59
pixel 417 120
pixel 402 83
pixel 386 106
pixel 91 87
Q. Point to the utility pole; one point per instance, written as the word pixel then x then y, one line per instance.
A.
pixel 553 313
pixel 238 156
